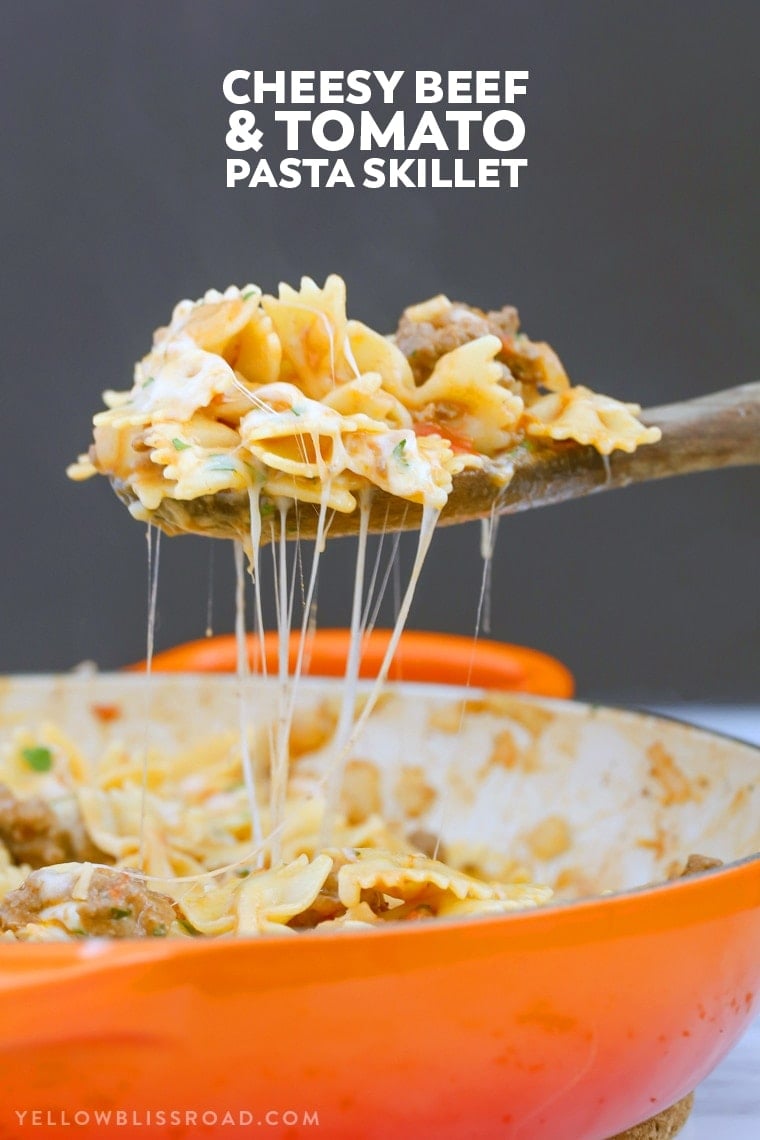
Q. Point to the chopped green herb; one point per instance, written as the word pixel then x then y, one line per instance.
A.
pixel 243 873
pixel 187 926
pixel 398 452
pixel 150 380
pixel 179 444
pixel 39 759
pixel 159 931
pixel 525 446
pixel 220 463
pixel 257 474
pixel 296 411
pixel 250 293
pixel 266 509
pixel 117 912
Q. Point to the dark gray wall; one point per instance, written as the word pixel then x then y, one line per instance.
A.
pixel 632 247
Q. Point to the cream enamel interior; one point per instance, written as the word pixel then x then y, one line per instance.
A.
pixel 587 799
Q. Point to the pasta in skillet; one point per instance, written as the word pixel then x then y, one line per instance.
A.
pixel 70 846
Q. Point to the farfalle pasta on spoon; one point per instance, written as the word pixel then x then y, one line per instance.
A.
pixel 288 396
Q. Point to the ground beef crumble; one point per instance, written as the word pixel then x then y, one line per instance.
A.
pixel 696 863
pixel 116 904
pixel 427 332
pixel 425 341
pixel 34 834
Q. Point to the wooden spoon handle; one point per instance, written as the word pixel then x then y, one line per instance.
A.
pixel 719 430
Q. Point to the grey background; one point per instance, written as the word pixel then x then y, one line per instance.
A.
pixel 631 246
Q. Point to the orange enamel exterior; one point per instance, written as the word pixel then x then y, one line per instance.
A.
pixel 565 1023
pixel 562 1024
pixel 432 657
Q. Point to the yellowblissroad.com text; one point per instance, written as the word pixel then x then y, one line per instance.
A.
pixel 105 1118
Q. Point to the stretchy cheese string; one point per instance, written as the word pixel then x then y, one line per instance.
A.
pixel 153 565
pixel 243 673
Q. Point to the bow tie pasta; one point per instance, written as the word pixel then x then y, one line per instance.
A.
pixel 289 397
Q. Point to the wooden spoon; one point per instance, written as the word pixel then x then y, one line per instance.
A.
pixel 719 430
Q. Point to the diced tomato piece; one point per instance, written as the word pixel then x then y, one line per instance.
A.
pixel 106 713
pixel 458 442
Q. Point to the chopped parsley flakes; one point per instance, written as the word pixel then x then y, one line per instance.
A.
pixel 38 758
pixel 220 463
